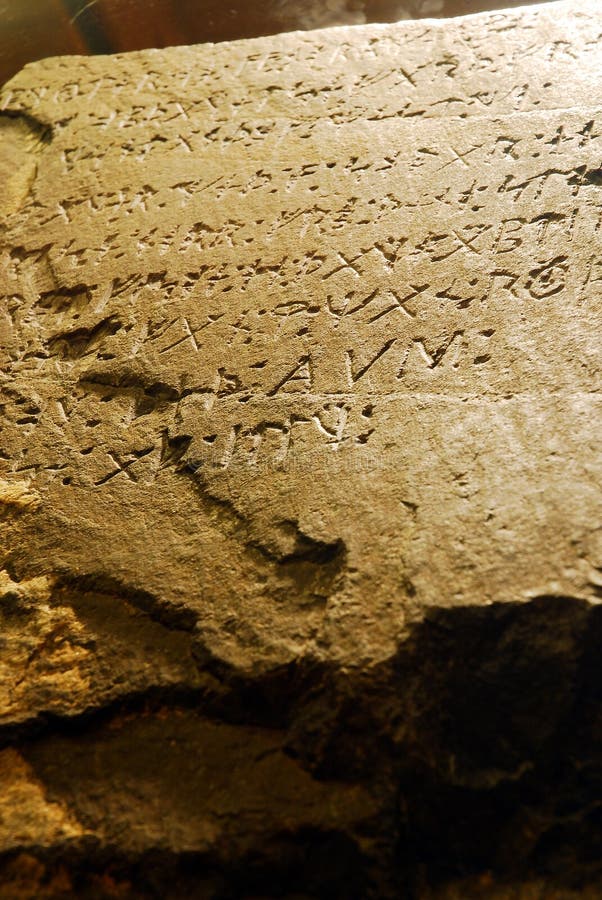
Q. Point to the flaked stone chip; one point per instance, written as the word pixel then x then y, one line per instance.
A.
pixel 300 460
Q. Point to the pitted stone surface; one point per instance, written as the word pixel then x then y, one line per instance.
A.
pixel 300 448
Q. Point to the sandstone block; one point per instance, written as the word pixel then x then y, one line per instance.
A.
pixel 300 496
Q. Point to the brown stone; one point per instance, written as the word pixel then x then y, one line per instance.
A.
pixel 300 474
pixel 51 27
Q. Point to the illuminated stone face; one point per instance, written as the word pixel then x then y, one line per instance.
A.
pixel 301 349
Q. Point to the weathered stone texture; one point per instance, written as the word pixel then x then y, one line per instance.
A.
pixel 300 495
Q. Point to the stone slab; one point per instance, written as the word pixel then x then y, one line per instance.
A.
pixel 300 453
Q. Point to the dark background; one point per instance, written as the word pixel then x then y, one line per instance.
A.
pixel 33 29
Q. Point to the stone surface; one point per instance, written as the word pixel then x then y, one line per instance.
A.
pixel 300 473
pixel 52 27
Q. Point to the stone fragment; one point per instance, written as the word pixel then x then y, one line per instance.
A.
pixel 300 504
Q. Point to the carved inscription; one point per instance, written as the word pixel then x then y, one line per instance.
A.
pixel 249 312
pixel 210 98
